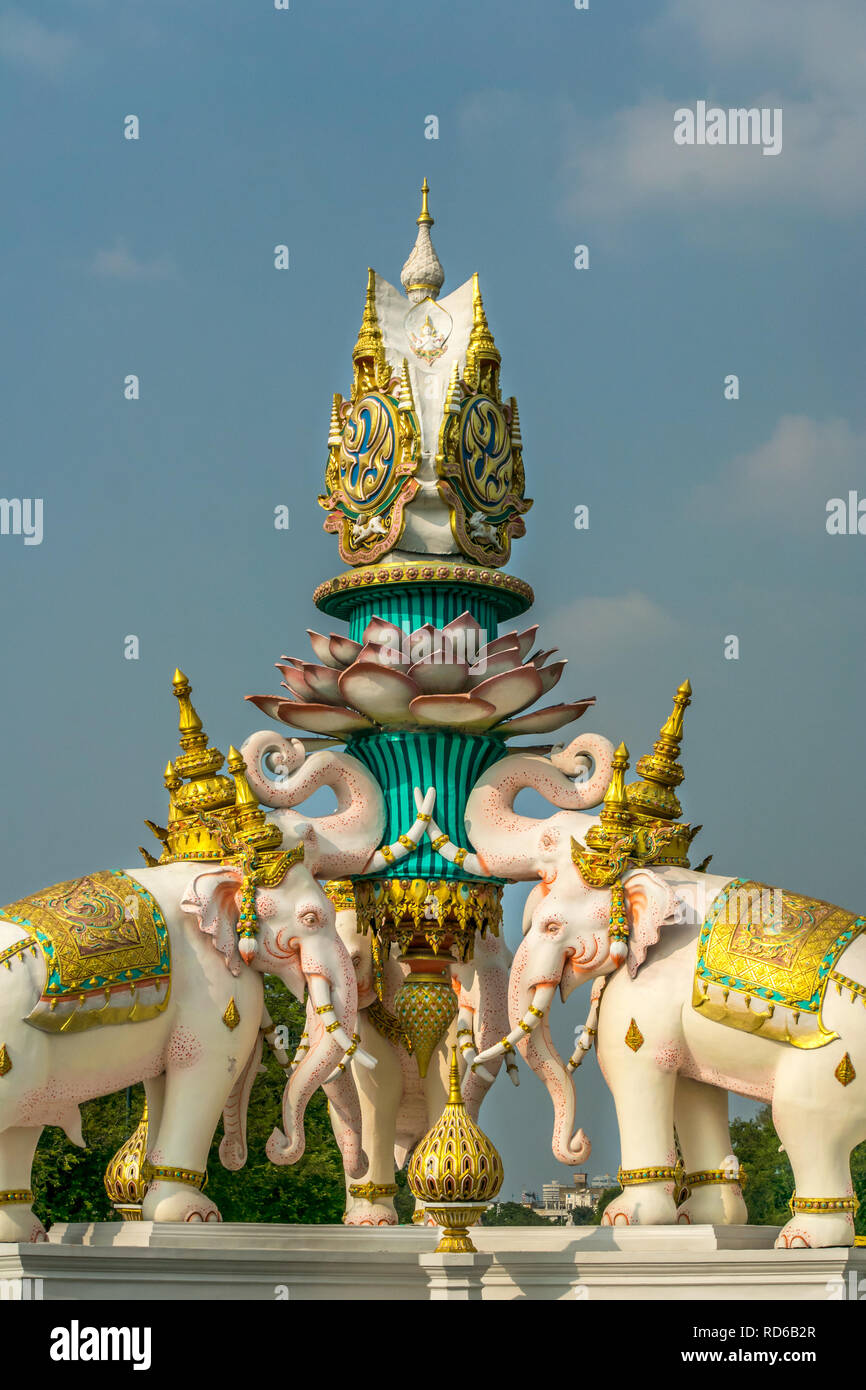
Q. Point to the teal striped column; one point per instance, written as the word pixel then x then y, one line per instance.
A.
pixel 449 761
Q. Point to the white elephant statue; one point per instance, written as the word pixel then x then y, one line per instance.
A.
pixel 191 1035
pixel 704 984
pixel 397 1105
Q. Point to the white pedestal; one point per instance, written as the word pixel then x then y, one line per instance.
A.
pixel 139 1260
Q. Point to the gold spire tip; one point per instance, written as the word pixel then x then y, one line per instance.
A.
pixel 455 1096
pixel 424 219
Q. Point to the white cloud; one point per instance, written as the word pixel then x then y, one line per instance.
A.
pixel 788 478
pixel 804 57
pixel 30 44
pixel 607 627
pixel 120 264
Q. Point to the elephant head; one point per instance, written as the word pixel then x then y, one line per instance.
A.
pixel 509 845
pixel 567 941
pixel 346 840
pixel 295 938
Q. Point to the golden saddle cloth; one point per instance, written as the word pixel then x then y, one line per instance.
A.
pixel 764 959
pixel 106 952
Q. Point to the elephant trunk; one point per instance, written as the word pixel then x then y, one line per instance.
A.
pixel 507 842
pixel 529 1010
pixel 233 1146
pixel 281 776
pixel 332 1016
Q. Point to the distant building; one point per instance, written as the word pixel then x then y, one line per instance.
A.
pixel 559 1199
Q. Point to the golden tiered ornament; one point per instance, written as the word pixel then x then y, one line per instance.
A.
pixel 123 1178
pixel 455 1171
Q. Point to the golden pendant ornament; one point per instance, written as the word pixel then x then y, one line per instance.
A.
pixel 231 1017
pixel 634 1038
pixel 424 1007
pixel 455 1171
pixel 845 1072
pixel 5 1060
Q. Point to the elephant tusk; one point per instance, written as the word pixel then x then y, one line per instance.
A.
pixel 530 1021
pixel 405 844
pixel 463 858
pixel 320 998
pixel 351 1052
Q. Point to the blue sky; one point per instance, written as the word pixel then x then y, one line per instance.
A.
pixel 306 127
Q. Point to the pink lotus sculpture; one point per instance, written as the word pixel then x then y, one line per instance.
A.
pixel 428 678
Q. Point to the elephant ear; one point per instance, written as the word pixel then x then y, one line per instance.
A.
pixel 212 897
pixel 650 902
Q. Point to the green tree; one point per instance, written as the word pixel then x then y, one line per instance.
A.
pixel 513 1214
pixel 67 1181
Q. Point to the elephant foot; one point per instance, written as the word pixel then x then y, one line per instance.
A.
pixel 363 1213
pixel 714 1206
pixel 647 1205
pixel 174 1201
pixel 18 1224
pixel 813 1230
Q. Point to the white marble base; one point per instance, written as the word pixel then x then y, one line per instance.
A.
pixel 139 1260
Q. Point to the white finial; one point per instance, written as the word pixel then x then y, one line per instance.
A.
pixel 422 276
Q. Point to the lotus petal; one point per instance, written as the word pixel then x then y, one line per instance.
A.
pixel 423 641
pixel 439 676
pixel 450 710
pixel 323 681
pixel 539 658
pixel 521 640
pixel 549 675
pixel 294 680
pixel 385 656
pixel 268 704
pixel 343 650
pixel 525 640
pixel 382 633
pixel 508 660
pixel 544 721
pixel 321 646
pixel 511 690
pixel 322 719
pixel 379 691
pixel 464 637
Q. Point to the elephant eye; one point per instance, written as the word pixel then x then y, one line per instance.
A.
pixel 311 918
pixel 552 927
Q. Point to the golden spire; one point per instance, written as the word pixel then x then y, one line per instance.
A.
pixel 404 394
pixel 424 219
pixel 616 819
pixel 653 798
pixel 334 435
pixel 482 355
pixel 243 792
pixel 189 724
pixel 249 818
pixel 369 352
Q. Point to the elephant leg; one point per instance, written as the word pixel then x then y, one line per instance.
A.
pixel 379 1093
pixel 17 1221
pixel 701 1119
pixel 818 1127
pixel 191 1107
pixel 644 1098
